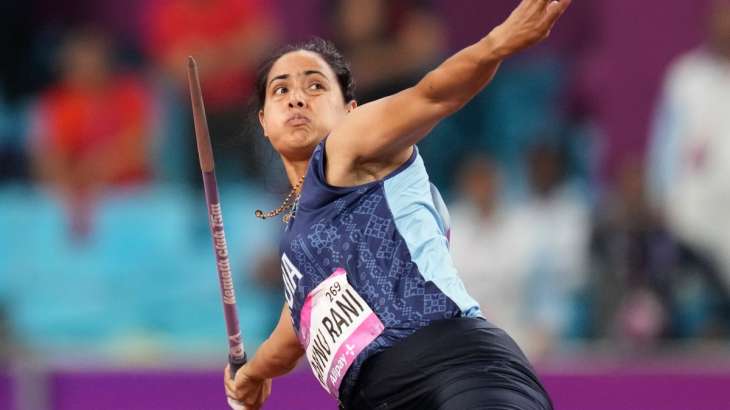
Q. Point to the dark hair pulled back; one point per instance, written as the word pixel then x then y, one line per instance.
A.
pixel 326 50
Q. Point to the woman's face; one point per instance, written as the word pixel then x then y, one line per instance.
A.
pixel 303 104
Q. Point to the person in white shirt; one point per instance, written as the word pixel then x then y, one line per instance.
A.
pixel 689 149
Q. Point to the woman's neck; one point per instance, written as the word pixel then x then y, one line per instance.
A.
pixel 295 170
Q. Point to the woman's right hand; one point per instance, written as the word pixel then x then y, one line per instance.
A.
pixel 247 389
pixel 528 24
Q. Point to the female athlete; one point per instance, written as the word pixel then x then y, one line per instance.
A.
pixel 372 297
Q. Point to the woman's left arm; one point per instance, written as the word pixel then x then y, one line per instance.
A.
pixel 392 125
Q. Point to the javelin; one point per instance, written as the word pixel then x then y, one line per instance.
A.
pixel 236 353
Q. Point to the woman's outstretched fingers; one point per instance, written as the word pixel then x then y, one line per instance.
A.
pixel 555 9
pixel 539 4
pixel 527 25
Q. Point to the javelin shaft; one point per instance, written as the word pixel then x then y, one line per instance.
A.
pixel 236 352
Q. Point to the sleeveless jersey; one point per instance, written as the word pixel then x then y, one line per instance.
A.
pixel 390 237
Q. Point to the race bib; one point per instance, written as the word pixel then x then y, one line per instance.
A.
pixel 336 325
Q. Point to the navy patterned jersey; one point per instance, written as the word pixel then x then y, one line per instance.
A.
pixel 390 236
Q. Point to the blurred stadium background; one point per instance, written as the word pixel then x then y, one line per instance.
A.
pixel 589 189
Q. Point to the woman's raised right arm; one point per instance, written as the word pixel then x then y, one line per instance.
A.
pixel 378 136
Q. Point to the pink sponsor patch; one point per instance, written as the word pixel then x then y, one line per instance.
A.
pixel 336 324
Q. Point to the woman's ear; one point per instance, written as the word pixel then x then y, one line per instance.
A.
pixel 262 122
pixel 351 106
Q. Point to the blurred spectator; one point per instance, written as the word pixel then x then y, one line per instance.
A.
pixel 689 155
pixel 525 263
pixel 92 129
pixel 647 285
pixel 390 44
pixel 554 225
pixel 626 245
pixel 228 38
pixel 491 259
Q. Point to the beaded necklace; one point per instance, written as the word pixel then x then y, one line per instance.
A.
pixel 289 203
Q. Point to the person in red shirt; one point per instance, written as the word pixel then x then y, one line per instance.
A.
pixel 92 130
pixel 228 38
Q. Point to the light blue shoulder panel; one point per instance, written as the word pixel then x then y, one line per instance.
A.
pixel 422 224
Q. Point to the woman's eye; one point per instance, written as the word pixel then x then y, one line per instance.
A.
pixel 280 90
pixel 316 86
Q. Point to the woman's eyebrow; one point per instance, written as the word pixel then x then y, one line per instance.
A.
pixel 306 73
pixel 310 72
pixel 279 77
